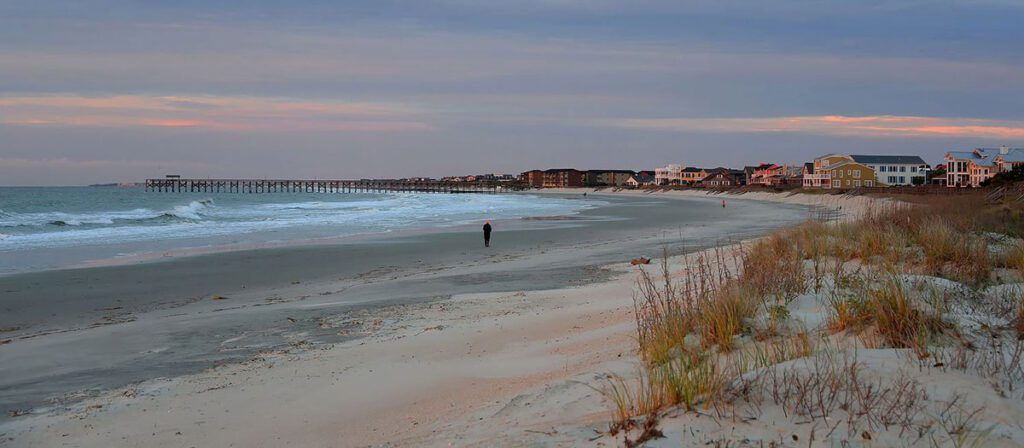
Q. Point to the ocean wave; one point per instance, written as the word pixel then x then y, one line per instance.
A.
pixel 239 215
pixel 192 211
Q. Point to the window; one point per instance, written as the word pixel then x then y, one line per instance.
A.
pixel 892 168
pixel 881 169
pixel 856 183
pixel 856 174
pixel 913 169
pixel 892 179
pixel 849 172
pixel 903 179
pixel 869 183
pixel 835 184
pixel 903 169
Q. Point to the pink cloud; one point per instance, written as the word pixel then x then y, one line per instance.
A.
pixel 864 126
pixel 214 113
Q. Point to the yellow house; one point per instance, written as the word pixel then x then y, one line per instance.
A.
pixel 839 171
pixel 823 162
pixel 691 175
pixel 850 174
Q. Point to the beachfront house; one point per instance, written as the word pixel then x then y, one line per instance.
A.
pixel 756 174
pixel 533 178
pixel 895 170
pixel 772 174
pixel 808 178
pixel 972 168
pixel 723 177
pixel 563 178
pixel 679 175
pixel 839 171
pixel 668 175
pixel 692 175
pixel 608 178
pixel 640 180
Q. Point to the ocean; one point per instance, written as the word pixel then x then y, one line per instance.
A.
pixel 47 228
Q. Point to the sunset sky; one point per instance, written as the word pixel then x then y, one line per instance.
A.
pixel 116 90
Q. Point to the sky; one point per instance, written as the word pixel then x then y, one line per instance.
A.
pixel 95 91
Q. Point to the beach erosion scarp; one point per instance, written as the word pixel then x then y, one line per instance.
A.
pixel 492 368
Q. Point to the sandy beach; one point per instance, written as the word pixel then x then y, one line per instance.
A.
pixel 445 347
pixel 509 366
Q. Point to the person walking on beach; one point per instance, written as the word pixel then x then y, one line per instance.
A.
pixel 487 233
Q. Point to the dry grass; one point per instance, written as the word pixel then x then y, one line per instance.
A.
pixel 687 327
pixel 721 315
pixel 883 313
pixel 948 251
pixel 773 269
pixel 1018 321
pixel 644 397
pixel 844 314
pixel 900 321
pixel 1012 257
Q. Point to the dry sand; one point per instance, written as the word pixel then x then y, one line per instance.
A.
pixel 506 369
pixel 850 207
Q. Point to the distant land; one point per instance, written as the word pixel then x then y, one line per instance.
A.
pixel 119 184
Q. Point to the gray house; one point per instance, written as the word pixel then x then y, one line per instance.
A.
pixel 895 170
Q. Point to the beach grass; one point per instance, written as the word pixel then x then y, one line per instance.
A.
pixel 702 327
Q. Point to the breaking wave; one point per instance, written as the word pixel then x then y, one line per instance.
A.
pixel 86 217
pixel 192 212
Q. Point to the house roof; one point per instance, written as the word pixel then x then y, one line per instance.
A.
pixel 720 171
pixel 692 169
pixel 980 156
pixel 1013 155
pixel 612 171
pixel 557 170
pixel 841 164
pixel 832 155
pixel 642 178
pixel 898 160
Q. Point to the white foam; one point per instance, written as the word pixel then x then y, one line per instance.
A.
pixel 347 215
pixel 192 211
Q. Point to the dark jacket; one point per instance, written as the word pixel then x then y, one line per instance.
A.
pixel 487 229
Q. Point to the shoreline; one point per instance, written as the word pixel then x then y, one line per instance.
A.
pixel 516 342
pixel 157 250
pixel 849 207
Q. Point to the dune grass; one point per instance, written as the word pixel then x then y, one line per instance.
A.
pixel 703 326
pixel 1012 256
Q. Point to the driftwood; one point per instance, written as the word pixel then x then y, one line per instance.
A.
pixel 641 260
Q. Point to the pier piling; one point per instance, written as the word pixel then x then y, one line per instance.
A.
pixel 252 186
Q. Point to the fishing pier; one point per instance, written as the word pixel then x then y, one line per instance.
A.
pixel 175 184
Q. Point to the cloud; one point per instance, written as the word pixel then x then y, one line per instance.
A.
pixel 214 113
pixel 834 125
pixel 66 163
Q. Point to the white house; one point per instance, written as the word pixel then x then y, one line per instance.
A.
pixel 895 170
pixel 669 175
pixel 640 180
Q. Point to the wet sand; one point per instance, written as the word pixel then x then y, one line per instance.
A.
pixel 75 334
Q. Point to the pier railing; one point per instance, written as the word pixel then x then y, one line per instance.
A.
pixel 320 186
